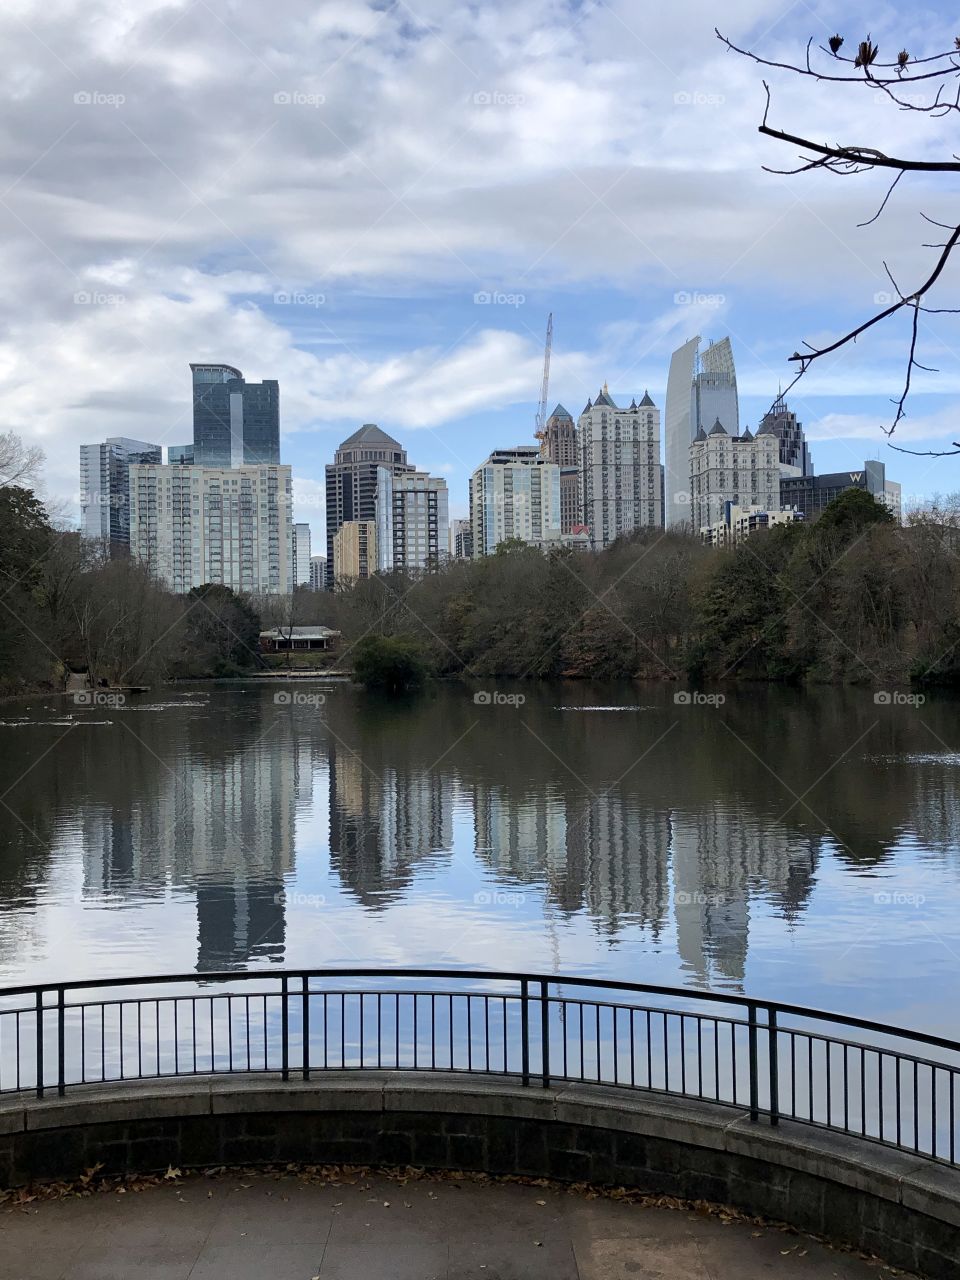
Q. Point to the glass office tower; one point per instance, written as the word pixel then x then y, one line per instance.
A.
pixel 235 423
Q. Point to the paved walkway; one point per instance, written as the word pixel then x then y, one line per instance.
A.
pixel 259 1228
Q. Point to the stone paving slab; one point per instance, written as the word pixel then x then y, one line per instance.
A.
pixel 266 1228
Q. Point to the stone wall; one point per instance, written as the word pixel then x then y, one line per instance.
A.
pixel 902 1208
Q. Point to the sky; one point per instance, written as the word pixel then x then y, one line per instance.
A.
pixel 378 204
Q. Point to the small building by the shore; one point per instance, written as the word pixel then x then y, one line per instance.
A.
pixel 283 639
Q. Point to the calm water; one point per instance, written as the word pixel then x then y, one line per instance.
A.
pixel 799 845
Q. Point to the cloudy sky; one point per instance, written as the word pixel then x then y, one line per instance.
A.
pixel 379 204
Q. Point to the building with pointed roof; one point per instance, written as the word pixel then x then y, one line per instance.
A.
pixel 620 476
pixel 795 456
pixel 732 471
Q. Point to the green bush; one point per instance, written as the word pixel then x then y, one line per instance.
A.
pixel 392 664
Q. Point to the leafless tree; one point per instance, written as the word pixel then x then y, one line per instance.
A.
pixel 19 463
pixel 937 77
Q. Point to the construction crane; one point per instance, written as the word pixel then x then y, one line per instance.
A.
pixel 541 430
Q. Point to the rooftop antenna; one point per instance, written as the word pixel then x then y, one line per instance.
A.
pixel 541 430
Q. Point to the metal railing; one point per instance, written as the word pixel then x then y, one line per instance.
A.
pixel 772 1060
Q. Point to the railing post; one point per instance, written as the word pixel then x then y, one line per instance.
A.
pixel 39 1044
pixel 754 1084
pixel 774 1065
pixel 284 1030
pixel 545 1033
pixel 306 1026
pixel 524 1030
pixel 61 1029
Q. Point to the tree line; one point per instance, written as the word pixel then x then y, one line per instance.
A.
pixel 851 597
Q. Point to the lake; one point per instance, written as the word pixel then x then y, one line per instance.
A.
pixel 802 845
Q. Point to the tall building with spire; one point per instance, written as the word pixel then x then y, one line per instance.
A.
pixel 701 388
pixel 559 444
pixel 794 453
pixel 352 480
pixel 620 477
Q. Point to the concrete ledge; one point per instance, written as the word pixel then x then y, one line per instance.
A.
pixel 905 1209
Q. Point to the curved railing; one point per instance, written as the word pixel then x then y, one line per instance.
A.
pixel 774 1061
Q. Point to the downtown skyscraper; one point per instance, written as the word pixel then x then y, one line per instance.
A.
pixel 620 473
pixel 701 389
pixel 105 489
pixel 353 480
pixel 235 422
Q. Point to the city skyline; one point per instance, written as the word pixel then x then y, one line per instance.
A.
pixel 425 313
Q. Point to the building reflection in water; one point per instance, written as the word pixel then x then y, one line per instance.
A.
pixel 384 823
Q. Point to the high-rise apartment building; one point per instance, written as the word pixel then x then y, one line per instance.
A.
pixel 231 525
pixel 353 477
pixel 742 470
pixel 105 489
pixel 795 456
pixel 354 551
pixel 620 474
pixel 412 519
pixel 301 555
pixel 461 540
pixel 514 494
pixel 235 422
pixel 559 443
pixel 701 388
pixel 318 573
